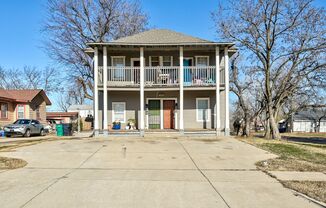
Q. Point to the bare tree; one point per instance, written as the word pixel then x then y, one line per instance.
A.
pixel 73 94
pixel 71 24
pixel 285 41
pixel 31 77
pixel 244 86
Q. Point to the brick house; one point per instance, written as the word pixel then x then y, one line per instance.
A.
pixel 17 104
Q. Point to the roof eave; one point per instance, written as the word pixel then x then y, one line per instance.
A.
pixel 93 44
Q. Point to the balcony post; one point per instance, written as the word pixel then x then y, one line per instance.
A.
pixel 226 67
pixel 96 113
pixel 105 91
pixel 181 126
pixel 217 77
pixel 142 83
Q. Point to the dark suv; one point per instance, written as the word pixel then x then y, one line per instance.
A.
pixel 24 127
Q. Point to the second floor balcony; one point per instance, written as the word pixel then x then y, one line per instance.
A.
pixel 162 76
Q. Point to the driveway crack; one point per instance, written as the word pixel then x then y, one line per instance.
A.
pixel 203 174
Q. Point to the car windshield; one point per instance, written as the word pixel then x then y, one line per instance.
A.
pixel 23 121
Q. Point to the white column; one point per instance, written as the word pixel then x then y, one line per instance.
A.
pixel 142 83
pixel 105 90
pixel 217 82
pixel 226 65
pixel 181 127
pixel 96 113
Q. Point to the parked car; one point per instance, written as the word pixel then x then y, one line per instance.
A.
pixel 24 127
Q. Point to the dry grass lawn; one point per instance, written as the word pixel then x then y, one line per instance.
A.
pixel 294 157
pixel 11 163
pixel 314 189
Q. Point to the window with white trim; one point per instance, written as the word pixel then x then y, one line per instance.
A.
pixel 155 60
pixel 202 109
pixel 202 60
pixel 4 110
pixel 167 61
pixel 119 63
pixel 119 111
pixel 20 111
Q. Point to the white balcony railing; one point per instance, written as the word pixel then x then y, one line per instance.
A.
pixel 161 76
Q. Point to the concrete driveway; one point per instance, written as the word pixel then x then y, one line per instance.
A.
pixel 150 172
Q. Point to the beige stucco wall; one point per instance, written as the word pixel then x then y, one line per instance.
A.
pixel 190 121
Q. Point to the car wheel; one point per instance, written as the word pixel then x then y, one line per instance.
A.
pixel 27 133
pixel 7 135
pixel 42 132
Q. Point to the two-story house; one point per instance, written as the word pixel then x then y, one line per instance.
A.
pixel 163 80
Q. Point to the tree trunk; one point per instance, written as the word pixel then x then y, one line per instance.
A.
pixel 246 131
pixel 267 129
pixel 273 125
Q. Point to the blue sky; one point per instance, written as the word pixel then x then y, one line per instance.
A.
pixel 21 20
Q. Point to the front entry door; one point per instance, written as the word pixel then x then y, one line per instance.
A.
pixel 168 114
pixel 154 117
pixel 187 77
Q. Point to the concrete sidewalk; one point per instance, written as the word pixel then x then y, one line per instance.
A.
pixel 298 176
pixel 137 172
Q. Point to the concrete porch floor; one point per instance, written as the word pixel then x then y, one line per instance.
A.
pixel 143 172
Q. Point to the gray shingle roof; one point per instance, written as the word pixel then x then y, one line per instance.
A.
pixel 310 114
pixel 80 107
pixel 160 36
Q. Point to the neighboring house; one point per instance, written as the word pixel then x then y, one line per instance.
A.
pixel 84 111
pixel 62 117
pixel 17 104
pixel 163 80
pixel 310 120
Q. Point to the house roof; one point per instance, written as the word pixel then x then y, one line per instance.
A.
pixel 80 107
pixel 61 114
pixel 161 37
pixel 310 114
pixel 24 96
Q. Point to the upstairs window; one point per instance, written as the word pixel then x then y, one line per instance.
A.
pixel 119 63
pixel 4 110
pixel 167 61
pixel 202 60
pixel 155 61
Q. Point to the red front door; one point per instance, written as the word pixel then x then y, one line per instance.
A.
pixel 168 114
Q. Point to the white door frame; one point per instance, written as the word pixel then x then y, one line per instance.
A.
pixel 132 61
pixel 190 58
pixel 162 113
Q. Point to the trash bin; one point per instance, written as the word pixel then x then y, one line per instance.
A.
pixel 67 129
pixel 59 128
pixel 2 133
